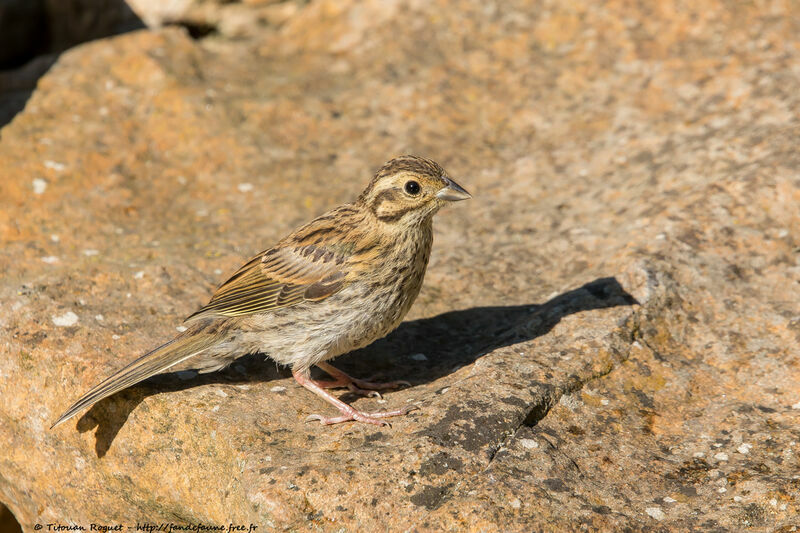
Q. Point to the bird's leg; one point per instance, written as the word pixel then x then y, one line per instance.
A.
pixel 348 412
pixel 355 385
pixel 337 382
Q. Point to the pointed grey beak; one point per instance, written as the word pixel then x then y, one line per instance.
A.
pixel 453 192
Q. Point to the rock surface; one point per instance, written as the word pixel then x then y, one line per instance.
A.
pixel 232 19
pixel 34 32
pixel 608 333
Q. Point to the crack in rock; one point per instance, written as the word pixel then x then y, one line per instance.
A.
pixel 661 293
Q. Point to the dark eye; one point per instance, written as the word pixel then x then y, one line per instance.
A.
pixel 412 188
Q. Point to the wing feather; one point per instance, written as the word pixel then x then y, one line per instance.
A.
pixel 279 277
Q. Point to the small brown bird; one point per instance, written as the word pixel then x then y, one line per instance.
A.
pixel 342 281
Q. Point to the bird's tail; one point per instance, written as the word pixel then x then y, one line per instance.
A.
pixel 159 360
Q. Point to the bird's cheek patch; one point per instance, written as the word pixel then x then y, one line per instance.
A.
pixel 392 211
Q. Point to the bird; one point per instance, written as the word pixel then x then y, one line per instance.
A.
pixel 336 284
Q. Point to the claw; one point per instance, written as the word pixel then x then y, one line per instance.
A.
pixel 367 387
pixel 348 412
pixel 358 416
pixel 384 385
pixel 364 392
pixel 368 418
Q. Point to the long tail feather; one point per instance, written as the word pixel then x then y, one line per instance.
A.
pixel 159 360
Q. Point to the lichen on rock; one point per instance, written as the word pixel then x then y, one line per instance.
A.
pixel 612 315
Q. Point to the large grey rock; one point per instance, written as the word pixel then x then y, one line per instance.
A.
pixel 609 328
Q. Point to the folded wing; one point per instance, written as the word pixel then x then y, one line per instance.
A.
pixel 278 278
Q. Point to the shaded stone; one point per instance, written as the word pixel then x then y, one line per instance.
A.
pixel 19 19
pixel 34 32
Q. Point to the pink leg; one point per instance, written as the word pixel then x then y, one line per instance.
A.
pixel 358 386
pixel 348 412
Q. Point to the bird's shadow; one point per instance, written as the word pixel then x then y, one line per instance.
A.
pixel 419 351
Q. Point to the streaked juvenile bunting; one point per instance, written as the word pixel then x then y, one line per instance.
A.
pixel 334 285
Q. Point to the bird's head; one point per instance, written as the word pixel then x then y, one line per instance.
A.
pixel 410 189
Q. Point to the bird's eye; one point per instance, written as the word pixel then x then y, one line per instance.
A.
pixel 412 187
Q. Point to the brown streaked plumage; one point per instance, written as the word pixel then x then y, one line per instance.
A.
pixel 336 284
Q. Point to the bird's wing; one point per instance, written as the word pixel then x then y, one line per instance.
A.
pixel 280 277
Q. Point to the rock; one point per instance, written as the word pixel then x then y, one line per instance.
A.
pixel 7 521
pixel 19 20
pixel 220 17
pixel 613 311
pixel 34 32
pixel 70 22
pixel 29 28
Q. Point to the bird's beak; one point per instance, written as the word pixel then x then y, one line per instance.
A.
pixel 453 192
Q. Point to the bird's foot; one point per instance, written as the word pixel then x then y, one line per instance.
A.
pixel 350 385
pixel 356 385
pixel 348 412
pixel 368 418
